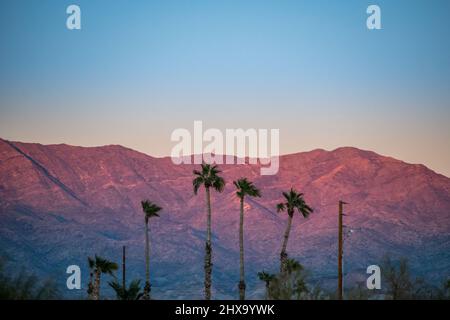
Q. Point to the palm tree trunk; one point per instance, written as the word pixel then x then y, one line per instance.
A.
pixel 241 253
pixel 90 290
pixel 123 269
pixel 283 254
pixel 96 291
pixel 267 289
pixel 146 294
pixel 208 248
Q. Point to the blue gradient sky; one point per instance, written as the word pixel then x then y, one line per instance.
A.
pixel 139 69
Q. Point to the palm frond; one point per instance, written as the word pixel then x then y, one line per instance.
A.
pixel 197 183
pixel 246 187
pixel 105 266
pixel 133 292
pixel 218 183
pixel 91 263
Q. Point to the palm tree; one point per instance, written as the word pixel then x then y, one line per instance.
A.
pixel 209 178
pixel 267 278
pixel 90 289
pixel 150 210
pixel 244 188
pixel 98 266
pixel 133 292
pixel 293 201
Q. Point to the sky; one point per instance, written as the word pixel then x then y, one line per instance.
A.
pixel 137 70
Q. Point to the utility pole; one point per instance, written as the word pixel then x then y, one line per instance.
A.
pixel 340 250
pixel 123 269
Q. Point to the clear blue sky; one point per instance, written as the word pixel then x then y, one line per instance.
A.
pixel 139 69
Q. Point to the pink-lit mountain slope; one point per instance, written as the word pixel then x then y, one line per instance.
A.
pixel 60 203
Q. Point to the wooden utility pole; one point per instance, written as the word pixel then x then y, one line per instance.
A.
pixel 340 250
pixel 123 269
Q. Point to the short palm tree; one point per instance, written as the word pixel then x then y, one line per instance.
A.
pixel 133 292
pixel 292 201
pixel 150 210
pixel 267 278
pixel 244 188
pixel 208 177
pixel 98 266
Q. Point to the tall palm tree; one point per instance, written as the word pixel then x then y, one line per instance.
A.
pixel 209 178
pixel 292 201
pixel 267 278
pixel 98 266
pixel 150 210
pixel 244 188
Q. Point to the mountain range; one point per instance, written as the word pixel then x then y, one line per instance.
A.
pixel 60 204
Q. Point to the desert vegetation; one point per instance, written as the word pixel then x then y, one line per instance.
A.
pixel 25 286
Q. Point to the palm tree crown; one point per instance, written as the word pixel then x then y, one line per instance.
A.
pixel 102 265
pixel 266 277
pixel 294 200
pixel 133 292
pixel 246 188
pixel 150 209
pixel 209 177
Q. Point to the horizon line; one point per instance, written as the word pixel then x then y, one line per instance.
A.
pixel 246 157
